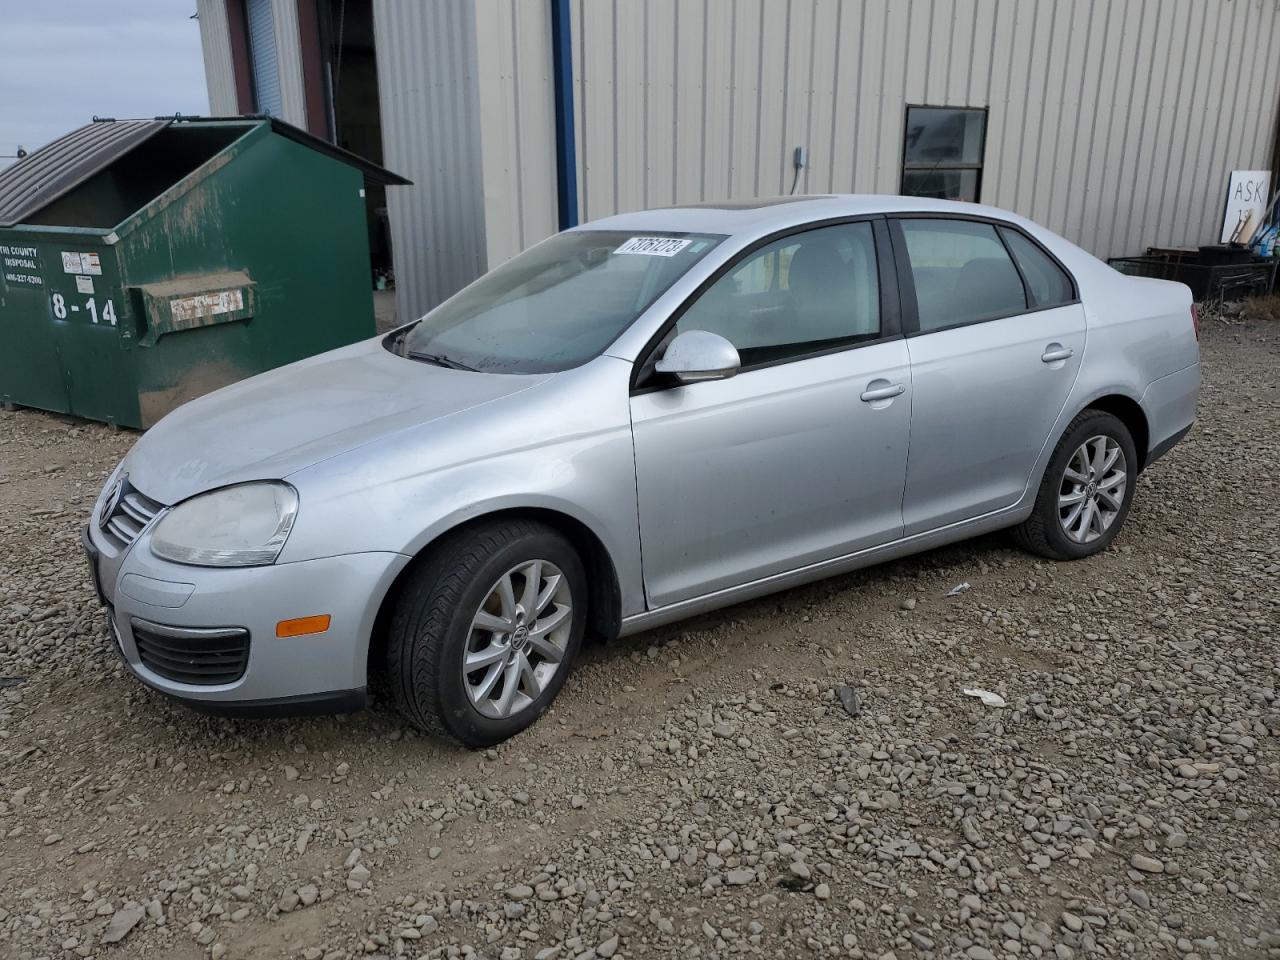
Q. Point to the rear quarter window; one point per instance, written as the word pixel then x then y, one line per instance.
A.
pixel 1047 283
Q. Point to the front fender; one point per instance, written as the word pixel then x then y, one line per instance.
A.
pixel 562 448
pixel 621 545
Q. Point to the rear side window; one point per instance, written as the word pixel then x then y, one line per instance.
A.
pixel 962 273
pixel 1047 283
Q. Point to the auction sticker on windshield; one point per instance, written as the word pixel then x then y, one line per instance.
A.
pixel 654 246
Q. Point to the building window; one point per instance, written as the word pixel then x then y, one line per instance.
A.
pixel 262 57
pixel 942 152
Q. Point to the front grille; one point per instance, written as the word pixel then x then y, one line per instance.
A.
pixel 130 517
pixel 188 655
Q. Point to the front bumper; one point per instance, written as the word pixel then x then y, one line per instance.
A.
pixel 317 673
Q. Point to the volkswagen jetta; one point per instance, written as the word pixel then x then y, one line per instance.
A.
pixel 634 421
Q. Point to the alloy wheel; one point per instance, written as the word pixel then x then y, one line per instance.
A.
pixel 1092 489
pixel 517 639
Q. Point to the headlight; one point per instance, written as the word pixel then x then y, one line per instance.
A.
pixel 241 526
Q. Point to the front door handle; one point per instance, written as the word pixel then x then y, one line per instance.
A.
pixel 872 394
pixel 1055 352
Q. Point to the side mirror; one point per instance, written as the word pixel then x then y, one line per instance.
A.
pixel 697 355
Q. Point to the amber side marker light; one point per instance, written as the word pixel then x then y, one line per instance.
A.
pixel 302 626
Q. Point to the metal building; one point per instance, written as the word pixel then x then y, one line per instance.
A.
pixel 1113 122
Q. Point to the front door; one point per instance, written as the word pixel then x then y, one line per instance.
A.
pixel 802 456
pixel 998 342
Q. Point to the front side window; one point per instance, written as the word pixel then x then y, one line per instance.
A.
pixel 942 152
pixel 556 305
pixel 962 273
pixel 802 294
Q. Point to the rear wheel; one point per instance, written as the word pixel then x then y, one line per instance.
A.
pixel 1086 491
pixel 486 630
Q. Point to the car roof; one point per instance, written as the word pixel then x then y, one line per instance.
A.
pixel 755 217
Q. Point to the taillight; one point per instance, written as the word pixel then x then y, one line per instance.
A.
pixel 1195 320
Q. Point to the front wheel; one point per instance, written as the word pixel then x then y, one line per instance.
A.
pixel 1086 491
pixel 486 630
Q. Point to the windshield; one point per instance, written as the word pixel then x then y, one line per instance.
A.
pixel 556 305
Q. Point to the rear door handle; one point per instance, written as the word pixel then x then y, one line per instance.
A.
pixel 1055 352
pixel 872 394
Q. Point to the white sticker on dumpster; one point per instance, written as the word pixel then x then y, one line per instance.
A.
pixel 84 285
pixel 654 246
pixel 81 263
pixel 206 305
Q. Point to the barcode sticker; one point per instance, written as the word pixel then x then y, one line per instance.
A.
pixel 654 246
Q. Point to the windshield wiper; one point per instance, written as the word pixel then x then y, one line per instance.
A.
pixel 439 359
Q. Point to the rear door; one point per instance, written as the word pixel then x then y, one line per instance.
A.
pixel 799 458
pixel 995 333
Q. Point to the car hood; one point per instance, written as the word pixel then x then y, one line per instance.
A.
pixel 279 422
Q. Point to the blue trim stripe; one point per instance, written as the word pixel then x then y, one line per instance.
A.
pixel 562 73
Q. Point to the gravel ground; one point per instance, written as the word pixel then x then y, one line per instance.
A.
pixel 700 791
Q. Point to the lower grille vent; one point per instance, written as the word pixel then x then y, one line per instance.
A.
pixel 187 655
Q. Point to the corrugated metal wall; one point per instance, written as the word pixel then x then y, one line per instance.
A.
pixel 517 117
pixel 219 71
pixel 264 57
pixel 215 42
pixel 430 103
pixel 1114 122
pixel 293 99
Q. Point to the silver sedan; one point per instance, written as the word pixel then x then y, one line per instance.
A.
pixel 637 420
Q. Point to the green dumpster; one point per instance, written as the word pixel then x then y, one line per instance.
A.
pixel 146 262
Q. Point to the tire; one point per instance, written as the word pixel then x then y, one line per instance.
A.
pixel 1053 530
pixel 438 619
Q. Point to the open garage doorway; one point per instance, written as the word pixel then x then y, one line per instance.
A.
pixel 349 69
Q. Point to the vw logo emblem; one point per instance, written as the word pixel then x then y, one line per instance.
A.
pixel 519 637
pixel 110 502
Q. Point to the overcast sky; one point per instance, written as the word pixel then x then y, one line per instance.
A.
pixel 63 61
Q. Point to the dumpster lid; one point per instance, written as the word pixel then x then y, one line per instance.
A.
pixel 47 173
pixel 57 168
pixel 372 172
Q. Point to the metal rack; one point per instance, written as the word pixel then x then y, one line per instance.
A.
pixel 1212 283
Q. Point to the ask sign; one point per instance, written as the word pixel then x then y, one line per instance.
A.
pixel 1247 194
